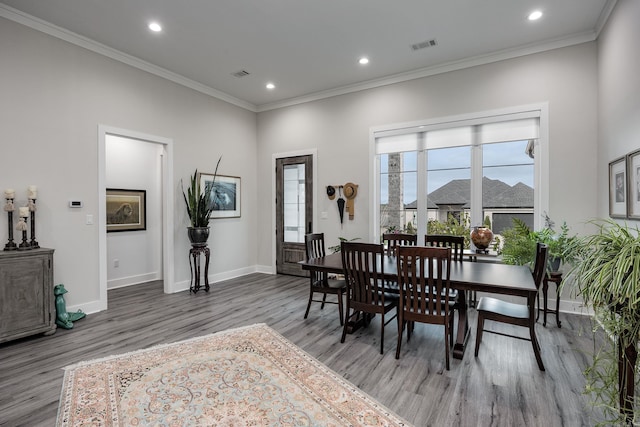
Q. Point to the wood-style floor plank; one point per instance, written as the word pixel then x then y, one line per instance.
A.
pixel 502 387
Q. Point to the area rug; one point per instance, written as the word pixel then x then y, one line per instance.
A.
pixel 250 376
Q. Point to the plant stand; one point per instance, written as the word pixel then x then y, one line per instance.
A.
pixel 194 265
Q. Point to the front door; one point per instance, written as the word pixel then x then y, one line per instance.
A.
pixel 294 211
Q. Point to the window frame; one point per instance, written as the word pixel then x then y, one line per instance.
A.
pixel 541 159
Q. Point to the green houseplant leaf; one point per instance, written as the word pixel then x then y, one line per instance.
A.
pixel 199 205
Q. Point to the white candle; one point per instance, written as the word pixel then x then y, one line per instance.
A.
pixel 24 211
pixel 32 191
pixel 9 193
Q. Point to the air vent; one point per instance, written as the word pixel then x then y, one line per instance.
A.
pixel 240 74
pixel 425 44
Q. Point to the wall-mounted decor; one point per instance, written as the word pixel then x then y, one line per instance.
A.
pixel 618 188
pixel 224 193
pixel 633 185
pixel 126 210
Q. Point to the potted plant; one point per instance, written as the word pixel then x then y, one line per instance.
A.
pixel 520 244
pixel 199 209
pixel 606 274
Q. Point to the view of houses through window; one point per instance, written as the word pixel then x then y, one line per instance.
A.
pixel 459 183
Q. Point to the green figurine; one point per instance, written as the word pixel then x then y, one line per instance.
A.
pixel 63 319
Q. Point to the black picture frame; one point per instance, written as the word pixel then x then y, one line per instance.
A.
pixel 126 210
pixel 618 188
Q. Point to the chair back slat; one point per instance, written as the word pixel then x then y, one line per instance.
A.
pixel 540 266
pixel 423 277
pixel 314 248
pixel 393 240
pixel 364 271
pixel 456 243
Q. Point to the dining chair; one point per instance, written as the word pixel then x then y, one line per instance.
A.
pixel 393 240
pixel 423 277
pixel 456 243
pixel 515 314
pixel 319 281
pixel 366 289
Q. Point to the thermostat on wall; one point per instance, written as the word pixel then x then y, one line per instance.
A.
pixel 75 204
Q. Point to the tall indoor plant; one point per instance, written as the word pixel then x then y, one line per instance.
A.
pixel 606 274
pixel 199 209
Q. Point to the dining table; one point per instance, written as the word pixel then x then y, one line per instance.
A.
pixel 495 278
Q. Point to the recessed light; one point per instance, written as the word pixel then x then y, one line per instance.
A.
pixel 271 86
pixel 535 15
pixel 155 27
pixel 363 61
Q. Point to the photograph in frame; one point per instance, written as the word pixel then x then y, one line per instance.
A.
pixel 618 188
pixel 126 210
pixel 224 194
pixel 633 182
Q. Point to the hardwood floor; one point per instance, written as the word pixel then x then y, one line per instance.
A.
pixel 502 387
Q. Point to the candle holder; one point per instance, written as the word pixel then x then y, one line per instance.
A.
pixel 22 226
pixel 11 245
pixel 32 207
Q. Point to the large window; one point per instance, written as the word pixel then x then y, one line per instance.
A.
pixel 483 170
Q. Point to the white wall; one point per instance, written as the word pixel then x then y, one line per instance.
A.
pixel 619 93
pixel 54 96
pixel 135 165
pixel 339 128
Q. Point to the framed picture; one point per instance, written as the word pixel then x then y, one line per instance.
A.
pixel 126 210
pixel 633 184
pixel 618 188
pixel 224 194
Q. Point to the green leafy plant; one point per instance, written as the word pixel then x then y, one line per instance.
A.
pixel 606 274
pixel 453 226
pixel 199 204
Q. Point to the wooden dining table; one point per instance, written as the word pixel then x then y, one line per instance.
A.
pixel 495 278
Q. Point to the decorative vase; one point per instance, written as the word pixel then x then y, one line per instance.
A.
pixel 198 236
pixel 481 237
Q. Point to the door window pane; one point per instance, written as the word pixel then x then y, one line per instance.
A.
pixel 294 207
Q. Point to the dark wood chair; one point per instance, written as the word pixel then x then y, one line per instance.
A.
pixel 423 277
pixel 320 282
pixel 393 240
pixel 456 243
pixel 515 314
pixel 366 290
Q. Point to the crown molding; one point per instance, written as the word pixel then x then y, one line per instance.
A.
pixel 84 42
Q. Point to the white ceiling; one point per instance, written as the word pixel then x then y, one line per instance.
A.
pixel 309 49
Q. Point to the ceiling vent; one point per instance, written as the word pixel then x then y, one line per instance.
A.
pixel 425 44
pixel 240 74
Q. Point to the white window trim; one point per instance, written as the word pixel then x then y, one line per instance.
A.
pixel 541 164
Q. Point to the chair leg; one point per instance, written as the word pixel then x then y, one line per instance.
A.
pixel 306 313
pixel 536 346
pixel 382 334
pixel 479 333
pixel 345 323
pixel 324 298
pixel 447 333
pixel 401 323
pixel 451 315
pixel 340 307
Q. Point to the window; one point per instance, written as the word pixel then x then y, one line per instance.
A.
pixel 474 170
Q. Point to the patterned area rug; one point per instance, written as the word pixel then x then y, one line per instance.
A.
pixel 247 376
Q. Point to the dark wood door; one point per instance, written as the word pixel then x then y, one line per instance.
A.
pixel 294 211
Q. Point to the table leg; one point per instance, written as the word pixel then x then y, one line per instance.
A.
pixel 463 326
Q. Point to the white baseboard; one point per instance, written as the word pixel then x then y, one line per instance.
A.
pixel 133 280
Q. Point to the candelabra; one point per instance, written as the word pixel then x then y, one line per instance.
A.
pixel 32 208
pixel 22 226
pixel 11 245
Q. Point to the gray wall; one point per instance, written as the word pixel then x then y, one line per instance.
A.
pixel 53 97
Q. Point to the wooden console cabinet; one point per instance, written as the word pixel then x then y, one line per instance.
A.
pixel 27 305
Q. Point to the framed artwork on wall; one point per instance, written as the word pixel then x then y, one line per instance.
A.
pixel 126 210
pixel 225 194
pixel 633 185
pixel 618 188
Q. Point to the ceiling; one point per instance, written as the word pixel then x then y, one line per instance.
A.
pixel 309 49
